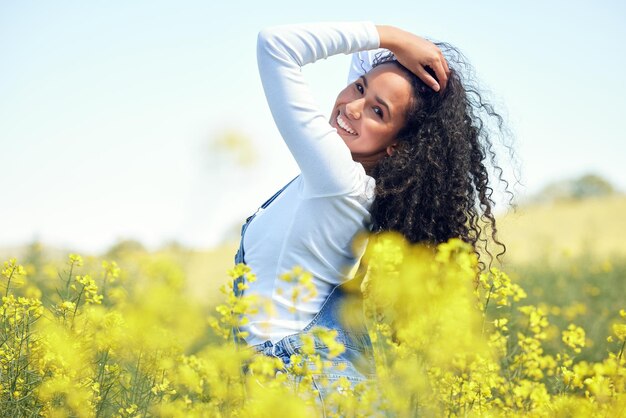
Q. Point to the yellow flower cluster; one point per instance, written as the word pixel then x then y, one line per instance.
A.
pixel 446 356
pixel 448 341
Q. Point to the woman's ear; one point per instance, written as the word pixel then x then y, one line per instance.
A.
pixel 391 149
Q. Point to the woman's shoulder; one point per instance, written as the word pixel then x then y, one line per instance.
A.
pixel 359 186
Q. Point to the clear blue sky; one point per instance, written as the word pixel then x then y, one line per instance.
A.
pixel 109 111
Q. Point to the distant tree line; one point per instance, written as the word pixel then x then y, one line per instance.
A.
pixel 586 186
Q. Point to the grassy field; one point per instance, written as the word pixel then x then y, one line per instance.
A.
pixel 594 226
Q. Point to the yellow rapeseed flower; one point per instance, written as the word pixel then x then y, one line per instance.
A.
pixel 620 331
pixel 574 337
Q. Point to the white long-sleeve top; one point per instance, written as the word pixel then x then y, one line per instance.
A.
pixel 312 224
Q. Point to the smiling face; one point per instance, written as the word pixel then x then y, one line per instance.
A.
pixel 370 112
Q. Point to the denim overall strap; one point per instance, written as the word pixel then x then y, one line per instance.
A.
pixel 239 257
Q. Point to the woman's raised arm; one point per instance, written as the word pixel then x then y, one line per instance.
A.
pixel 324 159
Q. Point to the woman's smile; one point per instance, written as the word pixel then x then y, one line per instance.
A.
pixel 344 126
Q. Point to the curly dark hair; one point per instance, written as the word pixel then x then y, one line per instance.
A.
pixel 435 185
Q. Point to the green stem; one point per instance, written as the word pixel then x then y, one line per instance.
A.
pixel 77 302
pixel 133 397
pixel 9 281
pixel 67 283
pixel 485 309
pixel 101 383
pixel 19 354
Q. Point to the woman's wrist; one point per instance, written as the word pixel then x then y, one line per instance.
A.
pixel 389 36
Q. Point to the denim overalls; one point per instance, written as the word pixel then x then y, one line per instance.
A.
pixel 356 363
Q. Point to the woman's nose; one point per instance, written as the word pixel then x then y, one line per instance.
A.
pixel 354 108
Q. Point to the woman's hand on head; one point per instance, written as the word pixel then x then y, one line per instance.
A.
pixel 415 53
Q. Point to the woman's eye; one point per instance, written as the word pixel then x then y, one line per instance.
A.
pixel 377 109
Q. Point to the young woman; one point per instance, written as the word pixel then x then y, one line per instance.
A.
pixel 403 150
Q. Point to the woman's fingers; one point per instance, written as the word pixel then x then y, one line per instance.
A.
pixel 440 72
pixel 435 60
pixel 427 78
pixel 416 53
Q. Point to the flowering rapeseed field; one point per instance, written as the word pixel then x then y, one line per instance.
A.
pixel 447 342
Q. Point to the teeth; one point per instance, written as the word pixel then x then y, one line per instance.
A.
pixel 344 125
